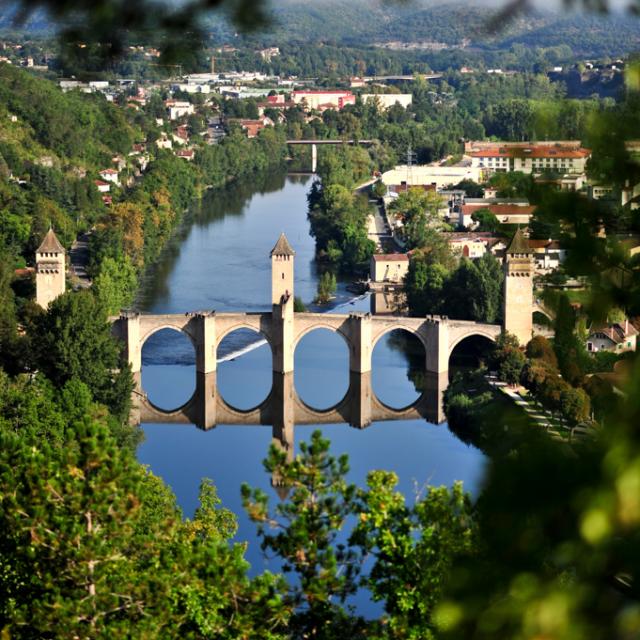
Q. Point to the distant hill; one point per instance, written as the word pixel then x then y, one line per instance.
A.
pixel 422 24
pixel 369 22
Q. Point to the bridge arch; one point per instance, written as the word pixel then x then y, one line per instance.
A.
pixel 399 327
pixel 474 332
pixel 177 327
pixel 322 325
pixel 176 386
pixel 242 325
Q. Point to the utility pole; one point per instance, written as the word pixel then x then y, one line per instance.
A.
pixel 411 157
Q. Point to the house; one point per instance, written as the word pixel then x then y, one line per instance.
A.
pixel 178 108
pixel 181 135
pixel 163 142
pixel 186 154
pixel 517 211
pixel 254 127
pixel 103 187
pixel 547 254
pixel 615 337
pixel 110 175
pixel 107 200
pixel 471 244
pixel 389 267
pixel 556 157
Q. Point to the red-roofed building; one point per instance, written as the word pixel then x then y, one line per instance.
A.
pixel 186 154
pixel 389 267
pixel 557 157
pixel 506 213
pixel 103 187
pixel 322 100
pixel 110 175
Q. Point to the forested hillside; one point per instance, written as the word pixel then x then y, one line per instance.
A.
pixel 367 22
pixel 51 146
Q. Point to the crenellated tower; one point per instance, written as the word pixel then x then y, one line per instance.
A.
pixel 282 271
pixel 50 270
pixel 282 300
pixel 518 288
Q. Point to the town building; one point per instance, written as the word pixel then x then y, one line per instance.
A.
pixel 387 100
pixel 389 267
pixel 506 211
pixel 323 99
pixel 103 187
pixel 554 157
pixel 616 337
pixel 50 270
pixel 472 244
pixel 110 175
pixel 178 109
pixel 436 175
pixel 186 154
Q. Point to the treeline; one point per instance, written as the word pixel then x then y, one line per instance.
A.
pixel 338 215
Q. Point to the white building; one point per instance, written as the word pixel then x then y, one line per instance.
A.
pixel 178 108
pixel 557 157
pixel 387 100
pixel 110 175
pixel 440 177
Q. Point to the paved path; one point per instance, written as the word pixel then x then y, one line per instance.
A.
pixel 537 414
pixel 79 259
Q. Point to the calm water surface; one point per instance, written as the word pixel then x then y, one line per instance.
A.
pixel 221 261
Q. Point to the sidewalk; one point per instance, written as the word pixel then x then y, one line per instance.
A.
pixel 557 428
pixel 79 259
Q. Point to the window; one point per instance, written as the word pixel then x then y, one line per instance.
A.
pixel 283 276
pixel 589 346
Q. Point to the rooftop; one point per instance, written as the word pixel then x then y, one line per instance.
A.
pixel 391 257
pixel 50 244
pixel 282 248
pixel 519 244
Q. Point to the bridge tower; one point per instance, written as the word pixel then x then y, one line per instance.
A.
pixel 50 270
pixel 518 288
pixel 282 300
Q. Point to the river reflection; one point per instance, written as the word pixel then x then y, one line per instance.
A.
pixel 219 261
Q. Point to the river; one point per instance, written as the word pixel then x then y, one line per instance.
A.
pixel 220 260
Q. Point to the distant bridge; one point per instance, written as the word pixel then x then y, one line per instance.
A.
pixel 315 142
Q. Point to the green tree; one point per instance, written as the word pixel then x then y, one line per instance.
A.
pixel 73 340
pixel 507 358
pixel 326 287
pixel 486 220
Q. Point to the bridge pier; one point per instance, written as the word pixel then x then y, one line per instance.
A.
pixel 360 402
pixel 360 348
pixel 204 403
pixel 205 342
pixel 436 333
pixel 129 330
pixel 314 158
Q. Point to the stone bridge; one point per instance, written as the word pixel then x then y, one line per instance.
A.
pixel 361 332
pixel 283 330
